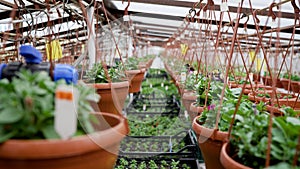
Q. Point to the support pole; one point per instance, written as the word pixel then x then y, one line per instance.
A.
pixel 91 37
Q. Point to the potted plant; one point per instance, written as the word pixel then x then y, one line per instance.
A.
pixel 281 99
pixel 111 84
pixel 249 141
pixel 205 93
pixel 29 140
pixel 189 95
pixel 135 74
pixel 286 82
pixel 212 137
pixel 295 83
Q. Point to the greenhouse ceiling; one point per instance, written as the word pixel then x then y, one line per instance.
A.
pixel 158 22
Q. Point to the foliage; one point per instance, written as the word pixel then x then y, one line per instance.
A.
pixel 294 77
pixel 245 109
pixel 97 74
pixel 156 125
pixel 191 81
pixel 132 63
pixel 159 86
pixel 150 164
pixel 27 107
pixel 146 58
pixel 211 91
pixel 250 138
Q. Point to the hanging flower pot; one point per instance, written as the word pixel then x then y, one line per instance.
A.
pixel 250 147
pixel 284 99
pixel 295 86
pixel 249 88
pixel 111 85
pixel 136 77
pixel 195 110
pixel 267 81
pixel 256 77
pixel 286 84
pixel 212 125
pixel 276 110
pixel 113 96
pixel 93 151
pixel 278 83
pixel 210 142
pixel 227 161
pixel 187 99
pixel 29 134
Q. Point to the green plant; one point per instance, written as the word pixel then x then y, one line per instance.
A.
pixel 27 107
pixel 152 164
pixel 207 92
pixel 283 165
pixel 185 166
pixel 133 164
pixel 123 162
pixel 250 139
pixel 156 125
pixel 164 164
pixel 98 75
pixel 132 63
pixel 142 165
pixel 245 109
pixel 191 81
pixel 294 76
pixel 174 164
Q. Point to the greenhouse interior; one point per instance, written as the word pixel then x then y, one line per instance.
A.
pixel 149 84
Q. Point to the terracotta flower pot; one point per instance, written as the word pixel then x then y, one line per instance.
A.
pixel 264 79
pixel 210 142
pixel 187 99
pixel 93 151
pixel 113 96
pixel 195 110
pixel 179 87
pixel 256 77
pixel 285 84
pixel 248 87
pixel 268 81
pixel 295 86
pixel 292 102
pixel 278 83
pixel 136 77
pixel 232 84
pixel 227 161
pixel 149 63
pixel 276 111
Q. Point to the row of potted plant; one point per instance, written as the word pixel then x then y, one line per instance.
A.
pixel 27 110
pixel 212 138
pixel 113 83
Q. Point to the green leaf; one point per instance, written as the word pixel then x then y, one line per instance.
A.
pixel 10 115
pixel 293 120
pixel 49 132
pixel 6 136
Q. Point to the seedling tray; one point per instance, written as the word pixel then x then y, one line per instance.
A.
pixel 183 145
pixel 145 107
pixel 157 162
pixel 156 97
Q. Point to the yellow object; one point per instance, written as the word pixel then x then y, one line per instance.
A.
pixel 184 48
pixel 258 61
pixel 56 51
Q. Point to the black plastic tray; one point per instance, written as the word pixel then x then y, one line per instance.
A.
pixel 184 163
pixel 183 144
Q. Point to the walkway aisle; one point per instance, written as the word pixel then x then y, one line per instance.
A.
pixel 160 135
